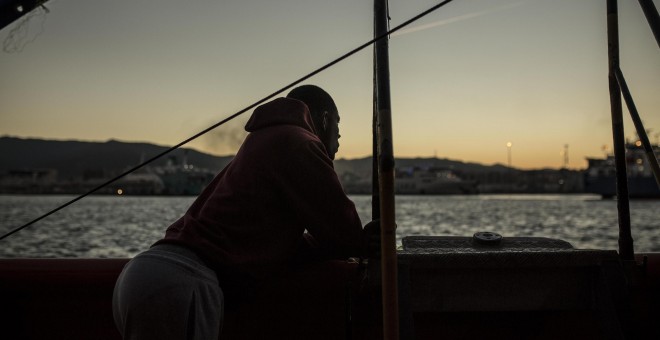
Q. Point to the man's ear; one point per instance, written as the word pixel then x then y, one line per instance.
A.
pixel 324 119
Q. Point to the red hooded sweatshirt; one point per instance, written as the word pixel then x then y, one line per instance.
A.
pixel 249 221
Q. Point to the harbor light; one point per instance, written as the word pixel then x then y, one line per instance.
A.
pixel 120 192
pixel 508 153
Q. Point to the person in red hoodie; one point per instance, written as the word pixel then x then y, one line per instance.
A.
pixel 277 201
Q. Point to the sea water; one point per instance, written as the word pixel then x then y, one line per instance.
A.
pixel 122 226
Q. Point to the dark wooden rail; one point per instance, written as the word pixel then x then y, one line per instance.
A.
pixel 71 299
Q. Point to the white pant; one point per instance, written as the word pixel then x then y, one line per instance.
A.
pixel 167 292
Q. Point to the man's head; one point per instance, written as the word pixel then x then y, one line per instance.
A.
pixel 324 114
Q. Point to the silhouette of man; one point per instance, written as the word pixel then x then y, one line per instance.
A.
pixel 246 226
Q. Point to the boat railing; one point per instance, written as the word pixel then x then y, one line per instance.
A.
pixel 617 88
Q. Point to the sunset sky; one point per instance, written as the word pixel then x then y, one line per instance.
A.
pixel 465 80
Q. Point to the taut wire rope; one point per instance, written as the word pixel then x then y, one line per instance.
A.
pixel 251 106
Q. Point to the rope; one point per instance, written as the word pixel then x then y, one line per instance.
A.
pixel 253 105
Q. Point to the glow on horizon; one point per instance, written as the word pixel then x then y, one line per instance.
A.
pixel 533 73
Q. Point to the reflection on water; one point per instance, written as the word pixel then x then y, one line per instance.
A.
pixel 97 226
pixel 121 226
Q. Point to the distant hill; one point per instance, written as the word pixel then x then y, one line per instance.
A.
pixel 76 161
pixel 72 159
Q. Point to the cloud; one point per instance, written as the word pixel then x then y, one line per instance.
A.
pixel 455 19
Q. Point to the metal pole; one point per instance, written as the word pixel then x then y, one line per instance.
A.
pixel 625 237
pixel 375 186
pixel 652 17
pixel 648 148
pixel 386 178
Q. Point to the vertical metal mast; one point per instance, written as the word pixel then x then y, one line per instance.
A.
pixel 386 176
pixel 625 237
pixel 375 185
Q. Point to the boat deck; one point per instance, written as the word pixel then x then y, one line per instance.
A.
pixel 71 299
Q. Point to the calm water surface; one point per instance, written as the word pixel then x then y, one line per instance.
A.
pixel 121 226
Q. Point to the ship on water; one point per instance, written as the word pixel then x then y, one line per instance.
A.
pixel 600 176
pixel 431 181
pixel 184 178
pixel 175 178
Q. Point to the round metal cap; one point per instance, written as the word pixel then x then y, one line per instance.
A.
pixel 487 237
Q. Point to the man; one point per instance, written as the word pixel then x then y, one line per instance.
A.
pixel 247 225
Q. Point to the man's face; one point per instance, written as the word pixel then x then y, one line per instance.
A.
pixel 331 135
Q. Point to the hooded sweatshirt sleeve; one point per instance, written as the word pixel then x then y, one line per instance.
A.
pixel 321 204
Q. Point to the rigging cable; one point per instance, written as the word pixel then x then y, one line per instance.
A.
pixel 253 105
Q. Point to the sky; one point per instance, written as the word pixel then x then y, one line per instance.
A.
pixel 465 80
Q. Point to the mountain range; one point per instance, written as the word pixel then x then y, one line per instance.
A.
pixel 72 159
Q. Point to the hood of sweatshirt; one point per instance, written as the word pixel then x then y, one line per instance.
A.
pixel 281 111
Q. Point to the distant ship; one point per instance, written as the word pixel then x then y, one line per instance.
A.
pixel 431 181
pixel 416 181
pixel 600 176
pixel 183 179
pixel 175 178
